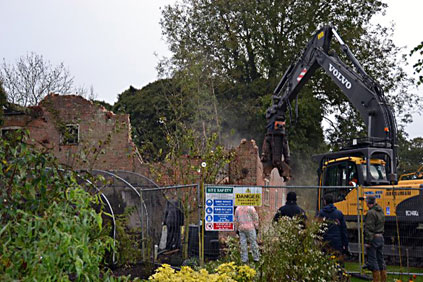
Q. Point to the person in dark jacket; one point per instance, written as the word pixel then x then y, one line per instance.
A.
pixel 174 219
pixel 290 208
pixel 374 223
pixel 336 234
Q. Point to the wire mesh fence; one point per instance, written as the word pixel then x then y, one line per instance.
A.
pixel 175 222
pixel 170 220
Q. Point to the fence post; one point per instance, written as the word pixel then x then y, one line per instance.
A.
pixel 200 214
pixel 143 231
pixel 358 229
pixel 201 254
pixel 397 227
pixel 362 223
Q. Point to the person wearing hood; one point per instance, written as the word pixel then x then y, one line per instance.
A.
pixel 290 209
pixel 173 219
pixel 374 223
pixel 336 233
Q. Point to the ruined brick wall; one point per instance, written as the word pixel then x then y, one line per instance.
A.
pixel 247 169
pixel 104 138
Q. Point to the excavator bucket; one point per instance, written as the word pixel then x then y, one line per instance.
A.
pixel 275 154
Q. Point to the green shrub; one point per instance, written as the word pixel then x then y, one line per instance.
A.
pixel 291 252
pixel 49 229
pixel 128 249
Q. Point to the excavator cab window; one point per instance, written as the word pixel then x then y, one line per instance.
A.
pixel 342 173
pixel 377 172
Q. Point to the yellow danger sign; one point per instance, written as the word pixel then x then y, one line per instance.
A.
pixel 248 199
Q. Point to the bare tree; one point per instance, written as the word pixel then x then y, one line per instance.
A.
pixel 32 78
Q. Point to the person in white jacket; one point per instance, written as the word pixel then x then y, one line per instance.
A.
pixel 246 225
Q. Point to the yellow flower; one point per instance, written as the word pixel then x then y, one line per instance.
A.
pixel 227 272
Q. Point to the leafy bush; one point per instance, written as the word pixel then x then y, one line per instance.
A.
pixel 228 272
pixel 49 229
pixel 128 250
pixel 291 252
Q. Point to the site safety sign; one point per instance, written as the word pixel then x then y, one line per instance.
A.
pixel 248 196
pixel 220 202
pixel 219 211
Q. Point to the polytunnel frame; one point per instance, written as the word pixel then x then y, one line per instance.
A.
pixel 111 212
pixel 141 190
pixel 114 175
pixel 141 198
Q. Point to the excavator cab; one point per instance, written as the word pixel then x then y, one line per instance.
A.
pixel 352 167
pixel 365 166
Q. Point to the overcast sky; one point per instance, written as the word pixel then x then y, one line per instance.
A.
pixel 111 44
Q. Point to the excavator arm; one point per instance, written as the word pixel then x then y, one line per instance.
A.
pixel 360 89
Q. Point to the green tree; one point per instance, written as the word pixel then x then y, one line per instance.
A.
pixel 156 111
pixel 236 52
pixel 252 39
pixel 410 154
pixel 49 228
pixel 244 42
pixel 419 65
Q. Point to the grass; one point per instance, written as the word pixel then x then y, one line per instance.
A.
pixel 351 266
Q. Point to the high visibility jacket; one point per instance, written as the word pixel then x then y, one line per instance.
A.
pixel 246 218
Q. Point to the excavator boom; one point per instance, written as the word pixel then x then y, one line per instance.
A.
pixel 364 94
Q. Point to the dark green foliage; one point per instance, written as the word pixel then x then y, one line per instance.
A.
pixel 128 249
pixel 410 154
pixel 155 110
pixel 246 40
pixel 242 109
pixel 228 56
pixel 49 230
pixel 305 137
pixel 419 65
pixel 240 49
pixel 293 253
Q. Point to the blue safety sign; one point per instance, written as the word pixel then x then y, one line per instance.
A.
pixel 223 218
pixel 224 203
pixel 219 209
pixel 223 210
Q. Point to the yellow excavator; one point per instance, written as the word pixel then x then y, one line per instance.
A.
pixel 413 175
pixel 364 166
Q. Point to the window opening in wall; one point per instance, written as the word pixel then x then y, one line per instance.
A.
pixel 70 135
pixel 10 133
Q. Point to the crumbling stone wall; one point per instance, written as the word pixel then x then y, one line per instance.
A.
pixel 247 169
pixel 104 138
